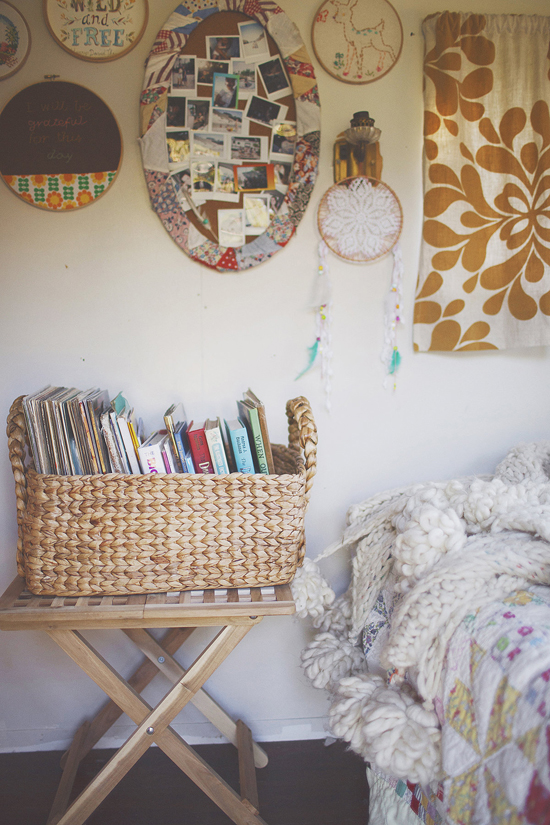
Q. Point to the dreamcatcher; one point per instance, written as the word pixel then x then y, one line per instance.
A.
pixel 360 220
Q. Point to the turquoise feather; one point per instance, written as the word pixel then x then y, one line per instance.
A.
pixel 313 350
pixel 395 361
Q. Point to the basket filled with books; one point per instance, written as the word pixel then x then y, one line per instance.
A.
pixel 88 524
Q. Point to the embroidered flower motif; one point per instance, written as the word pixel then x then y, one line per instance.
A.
pixel 39 180
pixel 84 197
pixel 54 200
pixel 67 179
pixel 69 205
pixel 99 177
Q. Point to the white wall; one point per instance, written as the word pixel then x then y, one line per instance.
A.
pixel 102 296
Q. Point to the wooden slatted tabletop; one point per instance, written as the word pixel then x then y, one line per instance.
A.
pixel 20 610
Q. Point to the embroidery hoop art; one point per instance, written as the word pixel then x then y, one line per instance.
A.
pixel 339 41
pixel 40 189
pixel 55 13
pixel 14 27
pixel 360 220
pixel 170 40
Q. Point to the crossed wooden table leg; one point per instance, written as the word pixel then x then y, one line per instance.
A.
pixel 63 618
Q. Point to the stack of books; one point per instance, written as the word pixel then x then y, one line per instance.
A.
pixel 72 432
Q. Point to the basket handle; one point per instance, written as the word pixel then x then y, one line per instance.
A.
pixel 17 442
pixel 302 433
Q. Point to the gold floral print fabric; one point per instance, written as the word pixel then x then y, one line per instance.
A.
pixel 484 280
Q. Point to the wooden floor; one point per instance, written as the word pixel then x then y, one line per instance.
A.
pixel 304 783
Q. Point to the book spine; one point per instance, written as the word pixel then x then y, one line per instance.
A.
pixel 217 452
pixel 129 445
pixel 200 452
pixel 258 441
pixel 185 456
pixel 241 451
pixel 151 458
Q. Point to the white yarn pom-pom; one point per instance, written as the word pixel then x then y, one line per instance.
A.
pixel 329 659
pixel 310 591
pixel 337 617
pixel 387 727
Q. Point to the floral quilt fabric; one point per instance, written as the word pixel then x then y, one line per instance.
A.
pixel 495 714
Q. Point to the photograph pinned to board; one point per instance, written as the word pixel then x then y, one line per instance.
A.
pixel 198 114
pixel 231 227
pixel 283 141
pixel 182 184
pixel 178 145
pixel 207 145
pixel 246 72
pixel 274 78
pixel 223 47
pixel 256 213
pixel 253 147
pixel 276 198
pixel 283 173
pixel 183 79
pixel 254 45
pixel 175 112
pixel 229 121
pixel 207 68
pixel 116 29
pixel 254 177
pixel 225 188
pixel 203 177
pixel 225 91
pixel 15 40
pixel 265 112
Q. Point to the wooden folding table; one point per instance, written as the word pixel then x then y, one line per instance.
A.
pixel 235 611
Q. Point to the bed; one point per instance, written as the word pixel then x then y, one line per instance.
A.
pixel 437 658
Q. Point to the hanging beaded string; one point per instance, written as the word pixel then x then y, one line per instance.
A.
pixel 393 316
pixel 322 305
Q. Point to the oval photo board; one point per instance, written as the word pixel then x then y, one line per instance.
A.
pixel 60 145
pixel 230 125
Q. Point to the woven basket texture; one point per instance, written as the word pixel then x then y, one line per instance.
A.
pixel 115 533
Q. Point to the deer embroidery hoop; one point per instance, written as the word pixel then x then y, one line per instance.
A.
pixel 357 41
pixel 360 220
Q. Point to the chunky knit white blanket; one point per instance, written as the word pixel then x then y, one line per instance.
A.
pixel 442 550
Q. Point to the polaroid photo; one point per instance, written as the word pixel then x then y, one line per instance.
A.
pixel 178 147
pixel 175 112
pixel 184 75
pixel 254 177
pixel 207 145
pixel 203 178
pixel 266 112
pixel 283 141
pixel 256 214
pixel 252 147
pixel 223 48
pixel 225 189
pixel 207 68
pixel 283 173
pixel 182 184
pixel 198 114
pixel 225 91
pixel 231 227
pixel 246 73
pixel 231 121
pixel 275 200
pixel 274 78
pixel 254 45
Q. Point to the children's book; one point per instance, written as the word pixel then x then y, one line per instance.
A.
pixel 213 432
pixel 183 448
pixel 150 453
pixel 241 446
pixel 199 447
pixel 253 398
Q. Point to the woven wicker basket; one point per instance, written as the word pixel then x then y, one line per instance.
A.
pixel 114 533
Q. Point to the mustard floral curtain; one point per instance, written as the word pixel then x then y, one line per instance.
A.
pixel 484 280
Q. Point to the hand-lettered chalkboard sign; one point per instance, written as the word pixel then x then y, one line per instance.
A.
pixel 97 30
pixel 60 145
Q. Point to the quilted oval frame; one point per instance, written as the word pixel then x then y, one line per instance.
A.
pixel 168 44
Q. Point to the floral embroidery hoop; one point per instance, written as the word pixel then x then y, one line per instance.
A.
pixel 15 40
pixel 170 40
